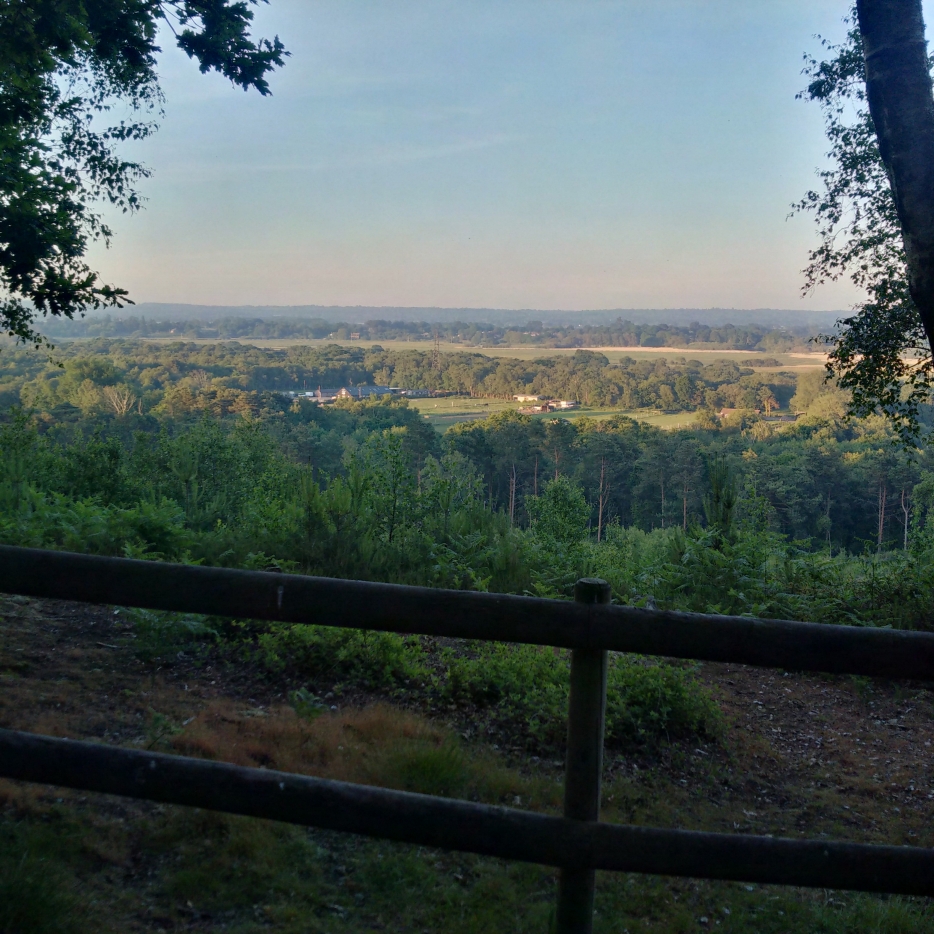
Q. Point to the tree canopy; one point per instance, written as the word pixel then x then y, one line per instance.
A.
pixel 878 109
pixel 65 67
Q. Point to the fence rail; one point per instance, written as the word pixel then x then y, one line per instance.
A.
pixel 578 843
pixel 262 595
pixel 462 825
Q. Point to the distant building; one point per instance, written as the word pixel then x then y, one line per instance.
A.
pixel 358 392
pixel 550 405
pixel 362 392
pixel 522 398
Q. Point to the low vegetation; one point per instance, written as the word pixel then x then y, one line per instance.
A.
pixel 77 862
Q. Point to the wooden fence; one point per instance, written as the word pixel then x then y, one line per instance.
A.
pixel 577 843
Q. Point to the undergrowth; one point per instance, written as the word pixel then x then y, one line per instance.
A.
pixel 646 699
pixel 36 894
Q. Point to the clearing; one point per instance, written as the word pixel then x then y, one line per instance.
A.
pixel 446 411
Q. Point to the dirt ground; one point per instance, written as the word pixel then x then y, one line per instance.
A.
pixel 801 755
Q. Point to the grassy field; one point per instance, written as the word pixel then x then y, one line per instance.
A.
pixel 442 413
pixel 526 352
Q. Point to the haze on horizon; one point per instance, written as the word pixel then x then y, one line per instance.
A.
pixel 547 155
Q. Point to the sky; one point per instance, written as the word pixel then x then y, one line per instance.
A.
pixel 552 154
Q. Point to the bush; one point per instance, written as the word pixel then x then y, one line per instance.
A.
pixel 161 633
pixel 646 700
pixel 374 659
pixel 148 529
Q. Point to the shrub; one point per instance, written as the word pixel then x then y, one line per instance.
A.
pixel 155 530
pixel 646 700
pixel 375 659
pixel 161 633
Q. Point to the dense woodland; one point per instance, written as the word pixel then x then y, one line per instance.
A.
pixel 188 452
pixel 621 333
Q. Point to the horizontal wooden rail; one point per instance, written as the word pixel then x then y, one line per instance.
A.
pixel 263 595
pixel 461 825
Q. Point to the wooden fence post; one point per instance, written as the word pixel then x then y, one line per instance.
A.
pixel 584 767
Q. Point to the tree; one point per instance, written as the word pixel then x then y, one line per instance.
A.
pixel 560 514
pixel 767 398
pixel 875 215
pixel 64 66
pixel 120 399
pixel 721 500
pixel 901 104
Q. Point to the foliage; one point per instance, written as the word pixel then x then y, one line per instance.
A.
pixel 561 514
pixel 34 895
pixel 720 503
pixel 123 378
pixel 152 530
pixel 158 633
pixel 620 333
pixel 880 354
pixel 307 705
pixel 529 684
pixel 64 68
pixel 374 659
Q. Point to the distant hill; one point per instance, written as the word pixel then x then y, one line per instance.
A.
pixel 769 317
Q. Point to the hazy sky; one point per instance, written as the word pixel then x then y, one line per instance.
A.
pixel 502 153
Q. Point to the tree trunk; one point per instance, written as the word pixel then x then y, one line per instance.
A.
pixel 512 496
pixel 901 104
pixel 906 512
pixel 601 499
pixel 883 495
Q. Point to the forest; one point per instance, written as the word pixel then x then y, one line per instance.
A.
pixel 180 377
pixel 201 445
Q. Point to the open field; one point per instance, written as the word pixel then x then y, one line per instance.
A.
pixel 442 413
pixel 527 352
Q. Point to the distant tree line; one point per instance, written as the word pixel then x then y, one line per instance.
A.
pixel 119 375
pixel 535 333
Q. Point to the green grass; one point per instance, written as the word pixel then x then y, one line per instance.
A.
pixel 442 413
pixel 248 876
pixel 39 893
